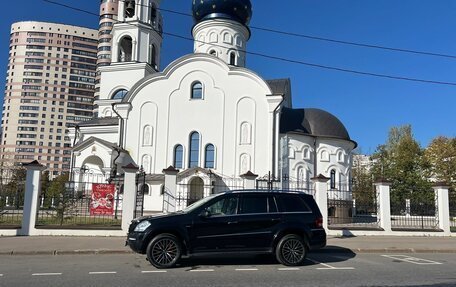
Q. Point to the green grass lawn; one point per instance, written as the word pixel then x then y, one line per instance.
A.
pixel 68 222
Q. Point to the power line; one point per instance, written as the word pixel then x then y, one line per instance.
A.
pixel 314 65
pixel 311 37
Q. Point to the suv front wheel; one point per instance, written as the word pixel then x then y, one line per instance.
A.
pixel 291 250
pixel 164 251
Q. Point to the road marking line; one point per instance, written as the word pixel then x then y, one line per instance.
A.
pixel 202 270
pixel 412 260
pixel 155 271
pixel 329 267
pixel 336 268
pixel 98 273
pixel 247 269
pixel 289 269
pixel 46 274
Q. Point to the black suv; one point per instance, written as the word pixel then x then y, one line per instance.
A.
pixel 287 224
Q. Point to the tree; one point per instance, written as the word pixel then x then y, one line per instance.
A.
pixel 401 161
pixel 441 156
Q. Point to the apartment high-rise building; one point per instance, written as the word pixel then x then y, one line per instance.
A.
pixel 108 16
pixel 50 85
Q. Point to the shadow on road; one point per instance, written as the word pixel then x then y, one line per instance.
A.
pixel 331 254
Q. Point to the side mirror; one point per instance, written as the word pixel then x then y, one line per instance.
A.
pixel 205 214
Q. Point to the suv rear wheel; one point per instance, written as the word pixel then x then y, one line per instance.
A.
pixel 291 250
pixel 164 251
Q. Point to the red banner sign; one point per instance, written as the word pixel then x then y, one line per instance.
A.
pixel 102 199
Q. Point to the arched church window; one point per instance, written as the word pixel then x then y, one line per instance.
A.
pixel 153 15
pixel 146 163
pixel 178 156
pixel 125 49
pixel 153 56
pixel 333 179
pixel 194 150
pixel 209 156
pixel 197 90
pixel 119 94
pixel 232 58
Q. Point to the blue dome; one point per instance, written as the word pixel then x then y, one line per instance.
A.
pixel 236 10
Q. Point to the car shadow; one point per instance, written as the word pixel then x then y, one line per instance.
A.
pixel 330 254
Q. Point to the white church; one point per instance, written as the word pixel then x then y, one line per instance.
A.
pixel 205 114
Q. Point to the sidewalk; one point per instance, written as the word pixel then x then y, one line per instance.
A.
pixel 116 245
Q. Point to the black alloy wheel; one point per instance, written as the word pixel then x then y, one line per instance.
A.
pixel 291 250
pixel 164 251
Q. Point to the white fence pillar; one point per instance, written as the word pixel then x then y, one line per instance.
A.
pixel 384 204
pixel 443 206
pixel 170 192
pixel 249 179
pixel 129 195
pixel 32 191
pixel 321 196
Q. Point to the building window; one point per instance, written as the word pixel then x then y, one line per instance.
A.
pixel 178 156
pixel 213 53
pixel 333 179
pixel 209 156
pixel 232 59
pixel 119 94
pixel 125 49
pixel 197 91
pixel 194 150
pixel 153 56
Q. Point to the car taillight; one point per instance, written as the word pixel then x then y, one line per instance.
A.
pixel 319 222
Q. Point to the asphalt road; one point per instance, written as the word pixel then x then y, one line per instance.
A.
pixel 320 270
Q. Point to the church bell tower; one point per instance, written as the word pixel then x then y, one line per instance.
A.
pixel 136 47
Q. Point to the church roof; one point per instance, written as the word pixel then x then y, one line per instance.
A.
pixel 279 86
pixel 313 122
pixel 100 122
pixel 236 10
pixel 91 140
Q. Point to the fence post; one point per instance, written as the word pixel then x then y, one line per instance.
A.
pixel 443 206
pixel 32 191
pixel 382 188
pixel 169 196
pixel 250 180
pixel 321 196
pixel 129 195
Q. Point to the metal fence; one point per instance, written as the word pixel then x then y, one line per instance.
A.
pixel 12 191
pixel 419 212
pixel 68 204
pixel 352 210
pixel 291 184
pixel 452 198
pixel 189 192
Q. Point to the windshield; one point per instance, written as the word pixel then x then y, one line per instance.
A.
pixel 199 203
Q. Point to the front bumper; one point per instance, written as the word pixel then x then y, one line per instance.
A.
pixel 135 240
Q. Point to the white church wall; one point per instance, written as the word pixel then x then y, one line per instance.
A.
pixel 215 117
pixel 153 201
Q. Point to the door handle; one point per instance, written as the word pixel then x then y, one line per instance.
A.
pixel 232 222
pixel 275 219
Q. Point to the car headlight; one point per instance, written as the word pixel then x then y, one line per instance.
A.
pixel 142 226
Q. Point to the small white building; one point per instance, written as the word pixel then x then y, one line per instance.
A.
pixel 206 114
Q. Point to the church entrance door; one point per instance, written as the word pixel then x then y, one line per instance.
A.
pixel 196 191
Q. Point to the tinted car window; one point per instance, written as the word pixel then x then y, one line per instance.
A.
pixel 254 204
pixel 291 203
pixel 224 206
pixel 272 204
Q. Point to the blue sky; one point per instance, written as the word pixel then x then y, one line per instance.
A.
pixel 368 106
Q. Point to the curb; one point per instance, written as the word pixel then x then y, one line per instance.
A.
pixel 325 250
